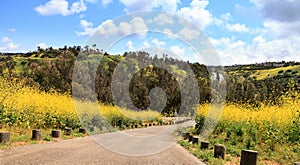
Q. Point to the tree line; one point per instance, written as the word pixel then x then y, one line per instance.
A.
pixel 54 70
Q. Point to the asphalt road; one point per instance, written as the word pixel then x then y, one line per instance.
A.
pixel 154 145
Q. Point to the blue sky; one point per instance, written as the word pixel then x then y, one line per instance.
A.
pixel 247 31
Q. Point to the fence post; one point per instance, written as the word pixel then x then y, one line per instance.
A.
pixel 190 138
pixel 55 133
pixel 68 131
pixel 204 145
pixel 219 151
pixel 36 134
pixel 4 137
pixel 249 157
pixel 195 140
pixel 92 128
pixel 82 130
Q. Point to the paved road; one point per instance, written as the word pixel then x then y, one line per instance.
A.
pixel 154 145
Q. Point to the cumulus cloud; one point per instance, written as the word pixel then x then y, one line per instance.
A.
pixel 8 44
pixel 282 29
pixel 6 40
pixel 282 17
pixel 92 1
pixel 162 19
pixel 188 34
pixel 146 44
pixel 178 51
pixel 140 5
pixel 226 16
pixel 105 3
pixel 197 13
pixel 56 7
pixel 12 30
pixel 280 10
pixel 158 43
pixel 87 27
pixel 240 28
pixel 108 28
pixel 232 51
pixel 42 45
pixel 129 45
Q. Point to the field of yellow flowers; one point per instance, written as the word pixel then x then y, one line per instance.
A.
pixel 272 130
pixel 27 107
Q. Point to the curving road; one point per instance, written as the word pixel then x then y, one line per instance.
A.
pixel 154 145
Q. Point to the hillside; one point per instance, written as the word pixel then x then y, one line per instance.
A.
pixel 292 71
pixel 53 69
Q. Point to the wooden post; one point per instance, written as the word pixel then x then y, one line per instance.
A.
pixel 204 145
pixel 92 128
pixel 68 131
pixel 195 140
pixel 248 157
pixel 190 138
pixel 82 130
pixel 187 135
pixel 36 134
pixel 55 133
pixel 219 151
pixel 4 137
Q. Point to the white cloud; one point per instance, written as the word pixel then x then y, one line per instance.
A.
pixel 158 43
pixel 279 10
pixel 146 44
pixel 105 3
pixel 226 16
pixel 8 45
pixel 109 29
pixel 91 1
pixel 197 13
pixel 55 7
pixel 12 30
pixel 42 45
pixel 6 40
pixel 281 18
pixel 240 28
pixel 87 27
pixel 140 5
pixel 176 50
pixel 168 31
pixel 282 29
pixel 81 16
pixel 129 45
pixel 188 34
pixel 78 7
pixel 138 25
pixel 232 51
pixel 162 19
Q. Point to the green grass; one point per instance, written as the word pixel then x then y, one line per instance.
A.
pixel 268 73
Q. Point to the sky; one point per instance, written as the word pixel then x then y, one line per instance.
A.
pixel 240 31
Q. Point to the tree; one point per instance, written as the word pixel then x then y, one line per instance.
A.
pixel 87 48
pixel 94 46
